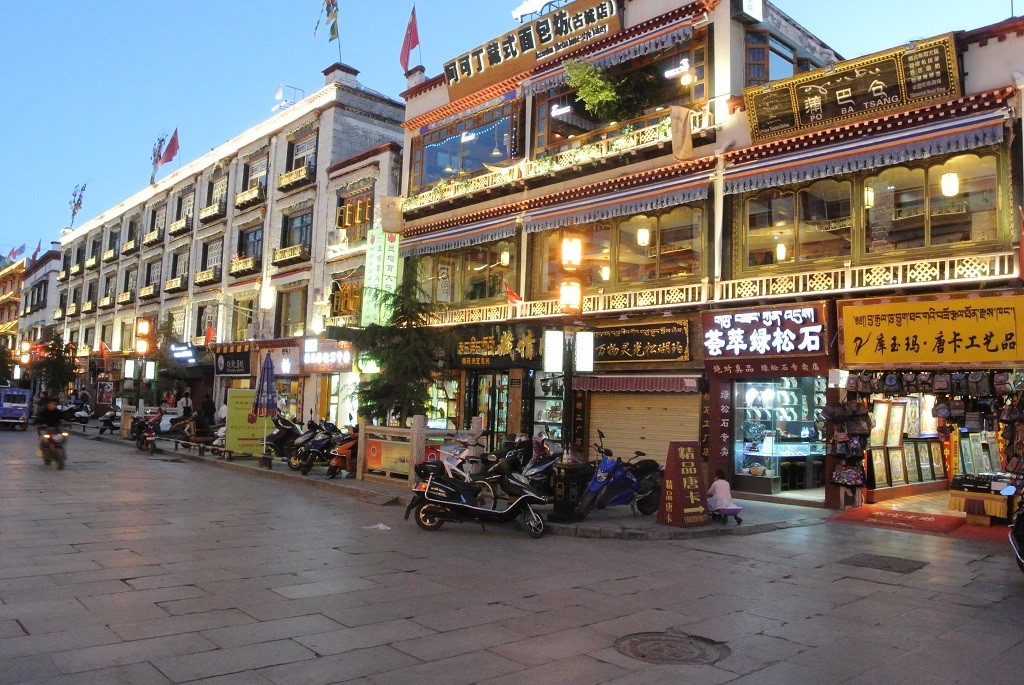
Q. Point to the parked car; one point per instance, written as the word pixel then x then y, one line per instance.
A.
pixel 15 407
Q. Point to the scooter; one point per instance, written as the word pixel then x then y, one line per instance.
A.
pixel 281 440
pixel 77 412
pixel 343 455
pixel 438 499
pixel 111 421
pixel 616 482
pixel 295 459
pixel 149 428
pixel 51 446
pixel 316 449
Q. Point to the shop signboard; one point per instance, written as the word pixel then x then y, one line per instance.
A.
pixel 287 360
pixel 532 44
pixel 889 81
pixel 662 342
pixel 184 353
pixel 970 331
pixel 381 274
pixel 382 455
pixel 787 339
pixel 243 429
pixel 327 356
pixel 233 360
pixel 499 347
pixel 684 500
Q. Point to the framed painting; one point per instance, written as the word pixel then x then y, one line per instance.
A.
pixel 911 459
pixel 897 466
pixel 924 459
pixel 894 430
pixel 879 470
pixel 880 413
pixel 912 422
pixel 966 457
pixel 938 459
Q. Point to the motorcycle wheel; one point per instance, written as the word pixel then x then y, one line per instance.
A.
pixel 531 522
pixel 587 502
pixel 428 516
pixel 307 464
pixel 332 471
pixel 295 461
pixel 648 504
pixel 486 499
pixel 151 446
pixel 101 430
pixel 60 455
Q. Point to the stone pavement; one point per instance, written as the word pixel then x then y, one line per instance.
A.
pixel 132 568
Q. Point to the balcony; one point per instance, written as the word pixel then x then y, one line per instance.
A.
pixel 92 262
pixel 153 237
pixel 217 210
pixel 88 306
pixel 63 275
pixel 72 309
pixel 292 254
pixel 148 292
pixel 106 302
pixel 127 297
pixel 176 285
pixel 251 197
pixel 206 276
pixel 129 247
pixel 75 269
pixel 180 227
pixel 295 178
pixel 243 266
pixel 109 255
pixel 58 314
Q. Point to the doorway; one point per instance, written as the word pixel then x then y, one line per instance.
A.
pixel 487 396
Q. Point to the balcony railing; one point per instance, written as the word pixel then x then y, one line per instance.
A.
pixel 127 297
pixel 296 177
pixel 211 275
pixel 72 309
pixel 243 266
pixel 92 262
pixel 75 269
pixel 602 145
pixel 212 212
pixel 148 292
pixel 292 254
pixel 88 306
pixel 109 255
pixel 250 197
pixel 153 237
pixel 176 284
pixel 63 275
pixel 58 314
pixel 106 302
pixel 181 226
pixel 129 247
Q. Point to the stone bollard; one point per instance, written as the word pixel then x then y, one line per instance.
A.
pixel 127 415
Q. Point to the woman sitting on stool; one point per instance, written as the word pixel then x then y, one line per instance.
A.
pixel 720 501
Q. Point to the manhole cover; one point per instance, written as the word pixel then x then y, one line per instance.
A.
pixel 884 563
pixel 671 648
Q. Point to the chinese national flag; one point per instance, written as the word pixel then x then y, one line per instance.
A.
pixel 412 39
pixel 171 150
pixel 513 297
pixel 105 353
pixel 210 334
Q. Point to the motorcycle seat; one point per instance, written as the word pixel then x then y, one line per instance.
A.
pixel 645 467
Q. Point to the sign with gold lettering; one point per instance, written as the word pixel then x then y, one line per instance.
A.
pixel 532 44
pixel 651 342
pixel 684 498
pixel 981 331
pixel 897 79
pixel 499 347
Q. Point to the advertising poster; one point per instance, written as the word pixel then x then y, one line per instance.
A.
pixel 244 432
pixel 684 499
pixel 387 456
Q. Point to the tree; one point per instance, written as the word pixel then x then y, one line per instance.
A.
pixel 54 367
pixel 5 365
pixel 408 350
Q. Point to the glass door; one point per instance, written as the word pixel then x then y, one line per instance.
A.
pixel 488 397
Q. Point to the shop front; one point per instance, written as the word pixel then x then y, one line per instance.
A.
pixel 289 375
pixel 939 374
pixel 232 368
pixel 768 368
pixel 330 369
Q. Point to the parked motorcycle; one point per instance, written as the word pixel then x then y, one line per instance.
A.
pixel 281 440
pixel 615 482
pixel 51 447
pixel 146 429
pixel 317 448
pixel 343 454
pixel 75 412
pixel 111 421
pixel 294 459
pixel 438 499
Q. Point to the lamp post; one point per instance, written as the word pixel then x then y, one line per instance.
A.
pixel 143 334
pixel 570 303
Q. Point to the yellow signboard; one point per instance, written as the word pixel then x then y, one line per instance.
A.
pixel 387 456
pixel 243 435
pixel 981 332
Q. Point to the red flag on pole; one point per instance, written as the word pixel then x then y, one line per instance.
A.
pixel 105 353
pixel 210 334
pixel 412 39
pixel 511 295
pixel 170 151
pixel 38 248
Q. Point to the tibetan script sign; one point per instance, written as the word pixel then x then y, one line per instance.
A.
pixel 791 332
pixel 964 331
pixel 897 79
pixel 645 343
pixel 499 347
pixel 684 499
pixel 532 44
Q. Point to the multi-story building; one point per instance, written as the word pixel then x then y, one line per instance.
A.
pixel 746 188
pixel 238 247
pixel 12 278
pixel 36 322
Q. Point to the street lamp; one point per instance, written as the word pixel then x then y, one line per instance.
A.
pixel 570 303
pixel 143 338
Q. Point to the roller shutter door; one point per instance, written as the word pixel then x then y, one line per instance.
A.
pixel 643 421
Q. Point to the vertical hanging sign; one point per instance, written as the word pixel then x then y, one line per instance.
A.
pixel 380 275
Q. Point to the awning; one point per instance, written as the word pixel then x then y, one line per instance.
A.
pixel 650 197
pixel 459 236
pixel 645 43
pixel 637 383
pixel 869 152
pixel 230 348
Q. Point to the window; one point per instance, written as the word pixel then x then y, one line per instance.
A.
pixel 242 317
pixel 127 335
pixel 291 313
pixel 96 247
pixel 298 230
pixel 303 153
pixel 131 279
pixel 90 337
pixel 105 331
pixel 347 296
pixel 185 206
pixel 76 296
pixel 90 291
pixel 769 59
pixel 355 213
pixel 217 189
pixel 949 202
pixel 250 243
pixel 133 229
pixel 473 273
pixel 825 224
pixel 63 300
pixel 66 261
pixel 153 270
pixel 158 219
pixel 108 286
pixel 177 317
pixel 113 240
pixel 80 255
pixel 179 264
pixel 206 315
pixel 212 252
pixel 255 174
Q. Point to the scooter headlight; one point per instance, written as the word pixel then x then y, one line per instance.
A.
pixel 601 476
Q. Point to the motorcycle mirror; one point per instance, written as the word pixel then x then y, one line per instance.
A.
pixel 1008 491
pixel 600 434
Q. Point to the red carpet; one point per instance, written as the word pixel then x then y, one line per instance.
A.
pixel 911 521
pixel 995 534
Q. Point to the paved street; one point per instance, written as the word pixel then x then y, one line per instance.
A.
pixel 130 568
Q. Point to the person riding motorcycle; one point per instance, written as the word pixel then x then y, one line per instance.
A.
pixel 50 417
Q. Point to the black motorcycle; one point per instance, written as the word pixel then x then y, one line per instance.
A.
pixel 51 446
pixel 317 450
pixel 111 421
pixel 281 440
pixel 438 499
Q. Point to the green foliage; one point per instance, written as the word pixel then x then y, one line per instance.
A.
pixel 593 88
pixel 6 368
pixel 55 370
pixel 614 100
pixel 409 351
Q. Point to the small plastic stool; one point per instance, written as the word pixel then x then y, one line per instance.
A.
pixel 723 513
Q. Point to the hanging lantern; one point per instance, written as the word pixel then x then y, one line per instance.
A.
pixel 869 197
pixel 780 252
pixel 643 236
pixel 950 183
pixel 572 252
pixel 570 296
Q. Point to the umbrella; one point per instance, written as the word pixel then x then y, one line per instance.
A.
pixel 265 403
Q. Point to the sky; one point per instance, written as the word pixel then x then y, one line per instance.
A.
pixel 91 84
